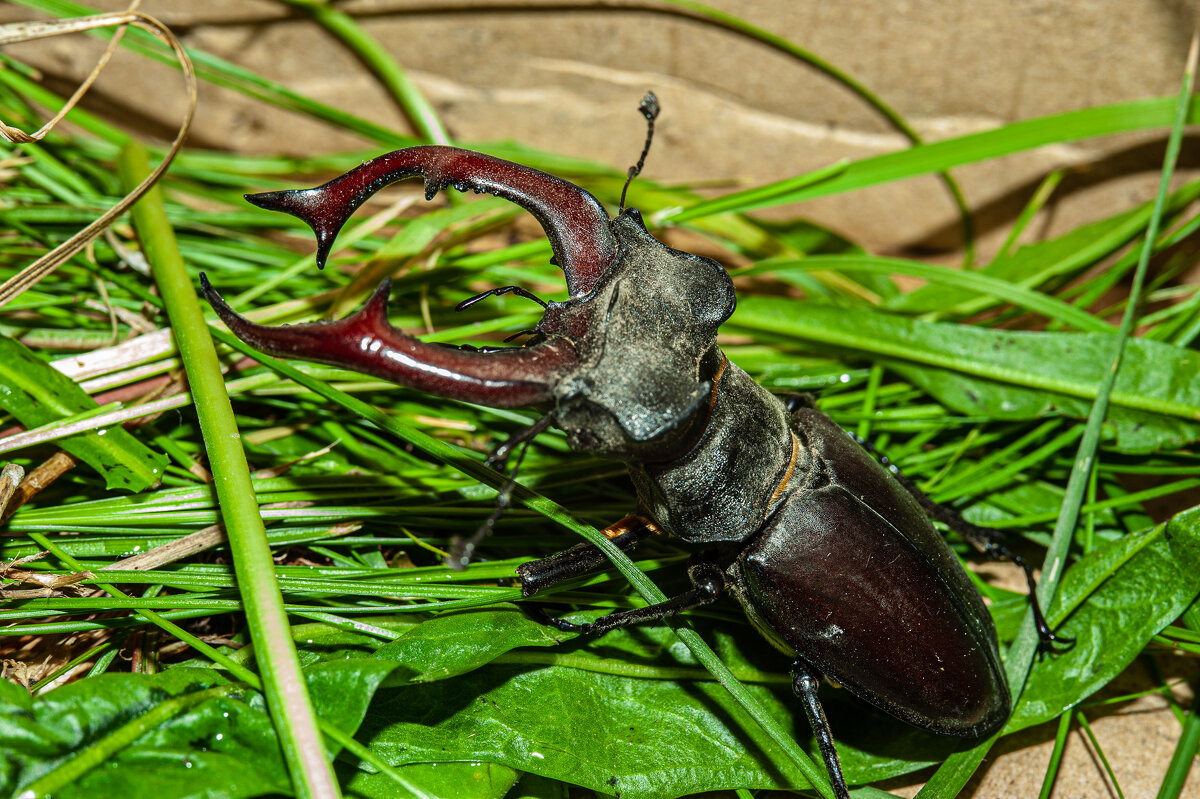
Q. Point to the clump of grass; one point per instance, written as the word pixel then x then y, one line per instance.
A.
pixel 977 385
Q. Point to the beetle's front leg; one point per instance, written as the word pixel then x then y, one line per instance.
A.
pixel 584 558
pixel 463 550
pixel 805 680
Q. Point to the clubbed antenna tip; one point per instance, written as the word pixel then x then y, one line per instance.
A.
pixel 650 110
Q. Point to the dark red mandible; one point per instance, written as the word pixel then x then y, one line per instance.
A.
pixel 574 220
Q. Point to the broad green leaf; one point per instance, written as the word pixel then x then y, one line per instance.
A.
pixel 1006 374
pixel 222 746
pixel 640 738
pixel 37 394
pixel 1114 600
pixel 433 781
pixel 653 735
pixel 342 690
pixel 455 643
pixel 658 734
pixel 220 742
pixel 534 786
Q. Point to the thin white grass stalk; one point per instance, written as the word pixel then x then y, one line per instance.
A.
pixel 18 32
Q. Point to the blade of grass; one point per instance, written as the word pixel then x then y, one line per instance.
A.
pixel 1189 738
pixel 735 23
pixel 1060 743
pixel 220 72
pixel 1091 736
pixel 37 394
pixel 47 263
pixel 1039 199
pixel 995 288
pixel 284 686
pixel 414 105
pixel 950 778
pixel 1012 138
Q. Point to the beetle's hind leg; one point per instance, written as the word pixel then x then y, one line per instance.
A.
pixel 805 680
pixel 990 542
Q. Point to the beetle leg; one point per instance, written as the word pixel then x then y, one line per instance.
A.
pixel 805 680
pixel 464 549
pixel 988 541
pixel 532 331
pixel 500 454
pixel 708 583
pixel 582 558
pixel 794 402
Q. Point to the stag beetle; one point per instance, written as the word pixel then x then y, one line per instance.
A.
pixel 833 557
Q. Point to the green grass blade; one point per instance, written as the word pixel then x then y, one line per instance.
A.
pixel 894 117
pixel 37 394
pixel 386 68
pixel 220 72
pixel 1189 738
pixel 1013 138
pixel 1050 307
pixel 283 681
pixel 1060 743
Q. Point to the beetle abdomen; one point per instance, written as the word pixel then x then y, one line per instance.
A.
pixel 851 576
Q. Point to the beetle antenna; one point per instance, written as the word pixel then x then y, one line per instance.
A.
pixel 496 292
pixel 650 109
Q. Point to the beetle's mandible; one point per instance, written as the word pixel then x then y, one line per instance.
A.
pixel 835 561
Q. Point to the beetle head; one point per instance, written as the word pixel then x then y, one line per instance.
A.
pixel 626 361
pixel 647 350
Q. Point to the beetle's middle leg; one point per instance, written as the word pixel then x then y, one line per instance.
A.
pixel 708 579
pixel 708 583
pixel 990 542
